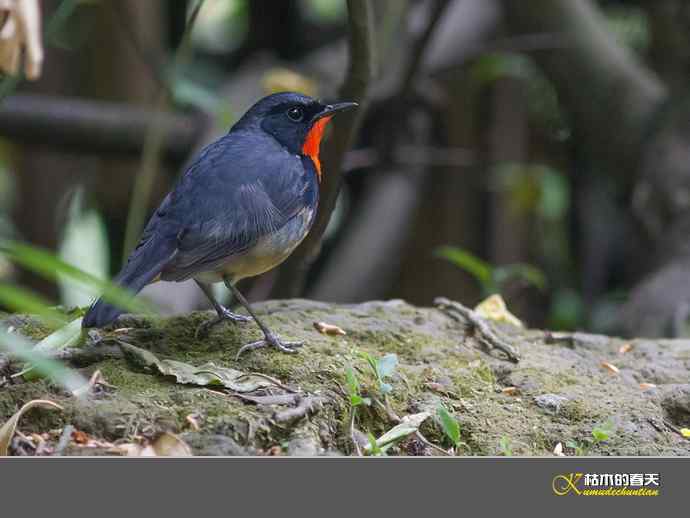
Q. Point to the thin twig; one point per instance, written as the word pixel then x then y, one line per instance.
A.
pixel 487 336
pixel 276 382
pixel 431 445
pixel 306 406
pixel 278 399
pixel 354 440
pixel 360 74
pixel 153 145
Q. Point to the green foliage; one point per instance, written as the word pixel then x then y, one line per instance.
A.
pixel 21 300
pixel 20 347
pixel 492 278
pixel 353 388
pixel 382 368
pixel 83 226
pixel 600 433
pixel 449 425
pixel 505 446
pixel 51 267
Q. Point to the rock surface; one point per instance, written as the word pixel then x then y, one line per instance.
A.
pixel 566 388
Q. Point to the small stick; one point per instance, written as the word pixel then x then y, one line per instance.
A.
pixel 488 337
pixel 307 405
pixel 269 378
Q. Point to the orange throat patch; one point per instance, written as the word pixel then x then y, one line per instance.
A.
pixel 313 142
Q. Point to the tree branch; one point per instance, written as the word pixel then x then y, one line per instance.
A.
pixel 93 126
pixel 360 74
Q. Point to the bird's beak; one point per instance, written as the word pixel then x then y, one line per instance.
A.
pixel 331 109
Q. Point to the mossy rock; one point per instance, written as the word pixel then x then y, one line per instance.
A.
pixel 440 362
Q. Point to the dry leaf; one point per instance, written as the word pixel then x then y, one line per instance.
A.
pixel 558 450
pixel 647 386
pixel 510 391
pixel 328 329
pixel 21 32
pixel 166 445
pixel 625 348
pixel 494 308
pixel 208 374
pixel 8 429
pixel 610 367
pixel 80 437
pixel 193 423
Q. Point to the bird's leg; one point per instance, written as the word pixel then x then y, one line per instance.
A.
pixel 223 312
pixel 269 338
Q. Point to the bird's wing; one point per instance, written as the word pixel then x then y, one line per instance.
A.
pixel 238 190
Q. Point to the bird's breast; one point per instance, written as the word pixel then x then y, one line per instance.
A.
pixel 271 249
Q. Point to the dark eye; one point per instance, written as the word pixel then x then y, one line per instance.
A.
pixel 295 114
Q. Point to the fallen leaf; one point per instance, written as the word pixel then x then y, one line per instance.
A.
pixel 409 424
pixel 208 374
pixel 274 451
pixel 328 329
pixel 8 429
pixel 80 437
pixel 510 391
pixel 558 450
pixel 625 348
pixel 610 367
pixel 166 445
pixel 685 432
pixel 647 386
pixel 193 423
pixel 494 308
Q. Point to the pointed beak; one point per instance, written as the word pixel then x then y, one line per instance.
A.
pixel 331 109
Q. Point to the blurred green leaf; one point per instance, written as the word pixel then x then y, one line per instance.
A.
pixel 479 269
pixel 566 310
pixel 48 265
pixel 525 272
pixel 66 336
pixel 85 246
pixel 20 300
pixel 23 349
pixel 554 199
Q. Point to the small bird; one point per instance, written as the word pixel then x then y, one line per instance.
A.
pixel 239 210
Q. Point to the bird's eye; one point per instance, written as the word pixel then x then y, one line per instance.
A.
pixel 295 114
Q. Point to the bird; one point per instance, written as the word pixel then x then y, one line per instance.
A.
pixel 240 209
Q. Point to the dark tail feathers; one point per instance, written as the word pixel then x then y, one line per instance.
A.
pixel 142 267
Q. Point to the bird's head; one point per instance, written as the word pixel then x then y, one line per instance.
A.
pixel 295 120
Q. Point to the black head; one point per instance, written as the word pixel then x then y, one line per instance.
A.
pixel 289 117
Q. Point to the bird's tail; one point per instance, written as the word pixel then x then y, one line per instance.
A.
pixel 143 266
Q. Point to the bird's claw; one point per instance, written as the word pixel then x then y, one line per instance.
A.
pixel 205 328
pixel 270 341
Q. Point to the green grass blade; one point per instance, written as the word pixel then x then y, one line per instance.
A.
pixel 23 349
pixel 479 269
pixel 49 266
pixel 20 300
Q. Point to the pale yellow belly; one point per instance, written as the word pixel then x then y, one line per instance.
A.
pixel 267 253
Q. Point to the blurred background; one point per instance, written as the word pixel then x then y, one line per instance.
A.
pixel 540 150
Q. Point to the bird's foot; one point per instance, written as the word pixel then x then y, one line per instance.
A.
pixel 271 340
pixel 205 328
